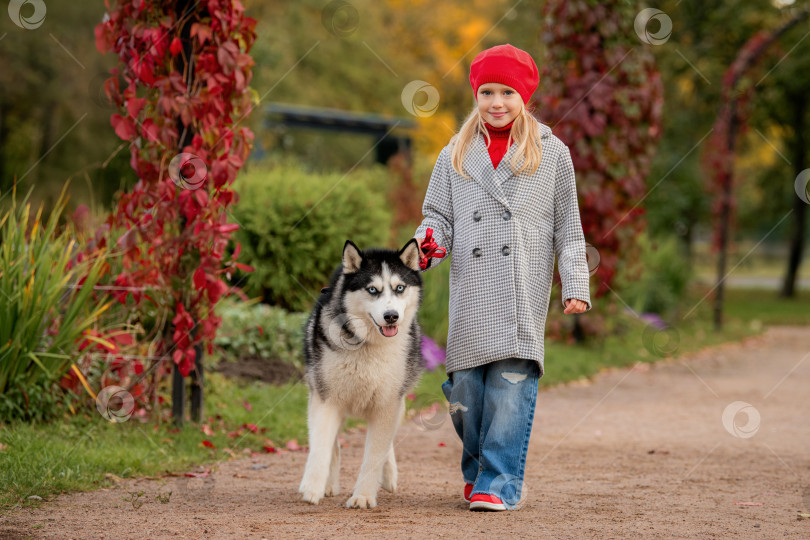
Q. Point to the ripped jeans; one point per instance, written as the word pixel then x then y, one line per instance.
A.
pixel 492 408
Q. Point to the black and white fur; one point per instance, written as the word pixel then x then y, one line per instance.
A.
pixel 362 349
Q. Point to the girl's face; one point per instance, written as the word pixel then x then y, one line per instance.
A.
pixel 498 104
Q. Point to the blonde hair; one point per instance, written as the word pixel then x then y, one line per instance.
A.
pixel 524 133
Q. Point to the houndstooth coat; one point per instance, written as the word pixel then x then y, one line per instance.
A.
pixel 503 231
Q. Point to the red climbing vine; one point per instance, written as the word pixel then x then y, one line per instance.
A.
pixel 181 90
pixel 602 95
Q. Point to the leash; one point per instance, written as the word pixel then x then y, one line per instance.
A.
pixel 429 245
pixel 432 249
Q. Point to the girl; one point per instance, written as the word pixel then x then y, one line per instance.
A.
pixel 502 198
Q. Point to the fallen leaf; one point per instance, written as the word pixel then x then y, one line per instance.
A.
pixel 442 444
pixel 293 445
pixel 251 427
pixel 207 430
pixel 208 444
pixel 198 474
pixel 269 449
pixel 240 476
pixel 247 405
pixel 804 515
pixel 3 447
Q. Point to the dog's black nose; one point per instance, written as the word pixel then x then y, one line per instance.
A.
pixel 390 317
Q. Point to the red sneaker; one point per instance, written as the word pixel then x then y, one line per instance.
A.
pixel 467 491
pixel 481 501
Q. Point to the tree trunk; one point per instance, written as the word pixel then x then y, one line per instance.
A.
pixel 799 206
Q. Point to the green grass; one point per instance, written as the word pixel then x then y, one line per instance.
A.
pixel 75 454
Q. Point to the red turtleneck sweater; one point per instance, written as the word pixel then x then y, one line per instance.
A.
pixel 499 137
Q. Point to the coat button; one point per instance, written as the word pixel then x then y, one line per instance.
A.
pixel 507 215
pixel 506 251
pixel 476 216
pixel 477 252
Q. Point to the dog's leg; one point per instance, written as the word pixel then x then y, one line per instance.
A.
pixel 324 422
pixel 389 472
pixel 333 482
pixel 379 439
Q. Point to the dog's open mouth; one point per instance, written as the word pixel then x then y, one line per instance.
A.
pixel 389 330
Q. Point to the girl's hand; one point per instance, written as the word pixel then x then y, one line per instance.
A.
pixel 419 241
pixel 572 305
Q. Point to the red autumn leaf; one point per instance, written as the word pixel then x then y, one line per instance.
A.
pixel 199 278
pixel 228 227
pixel 123 127
pixel 247 405
pixel 207 430
pixel 269 449
pixel 251 427
pixel 292 445
pixel 208 444
pixel 203 474
pixel 176 47
pixel 134 106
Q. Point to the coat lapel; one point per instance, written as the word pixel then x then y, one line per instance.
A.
pixel 490 178
pixel 485 174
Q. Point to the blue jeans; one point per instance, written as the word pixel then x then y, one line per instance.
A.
pixel 492 408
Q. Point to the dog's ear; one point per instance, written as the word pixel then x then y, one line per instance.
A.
pixel 410 253
pixel 351 257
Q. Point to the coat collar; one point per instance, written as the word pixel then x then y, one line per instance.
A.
pixel 492 179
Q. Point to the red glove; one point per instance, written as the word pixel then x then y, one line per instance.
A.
pixel 432 248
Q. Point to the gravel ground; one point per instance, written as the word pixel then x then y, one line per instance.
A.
pixel 635 453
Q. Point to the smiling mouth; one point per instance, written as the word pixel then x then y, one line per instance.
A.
pixel 388 330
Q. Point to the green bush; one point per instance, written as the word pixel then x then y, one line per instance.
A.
pixel 43 310
pixel 663 279
pixel 252 329
pixel 294 225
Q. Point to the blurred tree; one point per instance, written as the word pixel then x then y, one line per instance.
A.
pixel 54 119
pixel 603 99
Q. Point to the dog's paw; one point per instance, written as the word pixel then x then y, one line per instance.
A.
pixel 312 497
pixel 332 490
pixel 362 501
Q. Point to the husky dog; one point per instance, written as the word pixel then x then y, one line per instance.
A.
pixel 362 350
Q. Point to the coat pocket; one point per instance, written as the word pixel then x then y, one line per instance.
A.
pixel 538 251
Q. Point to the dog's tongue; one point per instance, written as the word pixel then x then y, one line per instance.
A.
pixel 389 331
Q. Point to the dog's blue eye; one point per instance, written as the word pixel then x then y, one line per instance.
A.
pixel 372 290
pixel 400 288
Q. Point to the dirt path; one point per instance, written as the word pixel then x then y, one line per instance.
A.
pixel 639 453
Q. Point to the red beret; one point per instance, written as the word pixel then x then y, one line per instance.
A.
pixel 507 65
